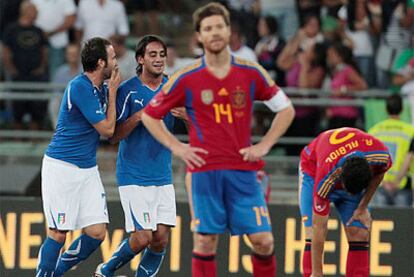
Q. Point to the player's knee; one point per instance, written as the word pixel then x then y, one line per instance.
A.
pixel 263 244
pixel 139 240
pixel 357 234
pixel 57 235
pixel 206 244
pixel 159 243
pixel 97 231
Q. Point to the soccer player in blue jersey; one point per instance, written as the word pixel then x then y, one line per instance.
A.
pixel 143 169
pixel 72 191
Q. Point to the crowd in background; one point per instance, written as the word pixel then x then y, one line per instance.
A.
pixel 343 46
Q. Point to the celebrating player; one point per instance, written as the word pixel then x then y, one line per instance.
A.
pixel 343 166
pixel 218 91
pixel 72 191
pixel 143 169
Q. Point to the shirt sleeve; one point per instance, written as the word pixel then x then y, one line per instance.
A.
pixel 122 105
pixel 88 104
pixel 172 95
pixel 69 7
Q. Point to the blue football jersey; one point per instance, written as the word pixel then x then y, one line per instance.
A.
pixel 142 160
pixel 75 140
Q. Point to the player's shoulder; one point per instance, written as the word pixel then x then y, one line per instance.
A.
pixel 252 66
pixel 80 82
pixel 182 73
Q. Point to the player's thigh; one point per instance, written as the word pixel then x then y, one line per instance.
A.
pixel 166 211
pixel 208 206
pixel 137 203
pixel 306 184
pixel 61 183
pixel 93 207
pixel 245 203
pixel 346 204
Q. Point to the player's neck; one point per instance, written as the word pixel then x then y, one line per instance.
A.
pixel 218 63
pixel 396 117
pixel 150 80
pixel 95 77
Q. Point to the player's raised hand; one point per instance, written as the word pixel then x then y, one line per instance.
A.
pixel 190 155
pixel 115 79
pixel 254 152
pixel 363 216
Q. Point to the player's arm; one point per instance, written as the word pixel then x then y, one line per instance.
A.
pixel 361 213
pixel 408 161
pixel 106 127
pixel 319 231
pixel 281 122
pixel 125 128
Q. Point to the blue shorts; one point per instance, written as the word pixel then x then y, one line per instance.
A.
pixel 344 202
pixel 229 200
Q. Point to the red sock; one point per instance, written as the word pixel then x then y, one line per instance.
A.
pixel 307 259
pixel 357 263
pixel 264 266
pixel 203 265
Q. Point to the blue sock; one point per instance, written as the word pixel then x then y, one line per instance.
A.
pixel 150 263
pixel 80 249
pixel 48 256
pixel 122 256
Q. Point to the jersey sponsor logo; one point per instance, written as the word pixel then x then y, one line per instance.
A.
pixel 207 96
pixel 238 99
pixel 61 218
pixel 223 92
pixel 141 102
pixel 320 205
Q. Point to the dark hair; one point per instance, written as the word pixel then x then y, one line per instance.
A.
pixel 142 46
pixel 356 174
pixel 394 104
pixel 308 17
pixel 388 8
pixel 271 24
pixel 94 50
pixel 346 54
pixel 351 14
pixel 319 50
pixel 208 10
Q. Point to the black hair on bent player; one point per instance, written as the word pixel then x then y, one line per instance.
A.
pixel 356 174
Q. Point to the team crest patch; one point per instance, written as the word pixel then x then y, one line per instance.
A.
pixel 61 218
pixel 147 218
pixel 207 96
pixel 238 98
pixel 155 102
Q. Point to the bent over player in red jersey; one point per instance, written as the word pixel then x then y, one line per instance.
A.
pixel 343 166
pixel 218 92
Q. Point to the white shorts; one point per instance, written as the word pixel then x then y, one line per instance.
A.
pixel 146 206
pixel 73 197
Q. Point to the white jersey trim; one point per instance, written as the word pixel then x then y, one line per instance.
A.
pixel 124 105
pixel 69 102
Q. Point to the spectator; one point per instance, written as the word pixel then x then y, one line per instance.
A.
pixel 125 57
pixel 245 13
pixel 269 48
pixel 398 136
pixel 345 78
pixel 396 23
pixel 402 68
pixel 237 44
pixel 55 18
pixel 101 18
pixel 145 10
pixel 25 60
pixel 306 69
pixel 307 8
pixel 285 13
pixel 9 12
pixel 174 62
pixel 355 18
pixel 63 75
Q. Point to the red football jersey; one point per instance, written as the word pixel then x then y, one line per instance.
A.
pixel 219 110
pixel 323 158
